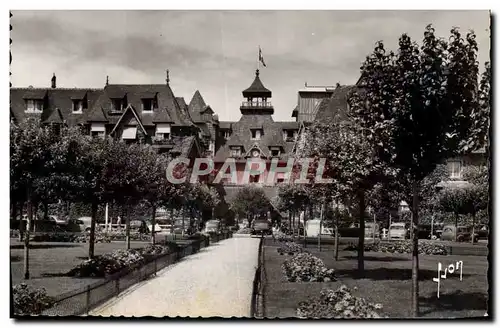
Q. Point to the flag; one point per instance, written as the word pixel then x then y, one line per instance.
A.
pixel 261 59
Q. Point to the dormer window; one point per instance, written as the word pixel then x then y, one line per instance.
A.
pixel 98 130
pixel 235 151
pixel 117 104
pixel 148 104
pixel 77 106
pixel 275 151
pixel 289 135
pixel 226 134
pixel 162 131
pixel 256 134
pixel 34 106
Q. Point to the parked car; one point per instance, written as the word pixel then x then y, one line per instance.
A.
pixel 260 226
pixel 349 231
pixel 464 233
pixel 85 223
pixel 57 220
pixel 398 230
pixel 483 232
pixel 212 226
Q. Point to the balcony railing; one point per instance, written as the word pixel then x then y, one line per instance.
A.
pixel 253 104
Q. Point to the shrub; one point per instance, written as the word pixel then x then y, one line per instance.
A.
pixel 338 304
pixel 282 237
pixel 306 267
pixel 116 261
pixel 29 300
pixel 290 248
pixel 14 233
pixel 405 246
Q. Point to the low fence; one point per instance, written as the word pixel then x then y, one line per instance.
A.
pixel 257 302
pixel 82 301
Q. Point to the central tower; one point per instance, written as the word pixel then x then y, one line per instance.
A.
pixel 257 96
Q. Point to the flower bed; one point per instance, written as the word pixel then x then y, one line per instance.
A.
pixel 403 247
pixel 306 267
pixel 29 301
pixel 338 304
pixel 110 263
pixel 282 237
pixel 290 248
pixel 14 233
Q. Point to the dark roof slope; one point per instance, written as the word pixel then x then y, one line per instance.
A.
pixel 272 136
pixel 336 105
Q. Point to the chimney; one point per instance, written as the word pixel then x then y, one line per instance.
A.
pixel 53 80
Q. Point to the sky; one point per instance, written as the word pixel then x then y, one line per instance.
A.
pixel 216 52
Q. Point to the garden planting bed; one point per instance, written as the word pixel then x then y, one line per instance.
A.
pixel 428 248
pixel 119 261
pixel 338 304
pixel 387 282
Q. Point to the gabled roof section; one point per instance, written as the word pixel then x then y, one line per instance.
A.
pixel 261 152
pixel 337 104
pixel 162 116
pixel 97 115
pixel 257 89
pixel 129 108
pixel 37 94
pixel 55 117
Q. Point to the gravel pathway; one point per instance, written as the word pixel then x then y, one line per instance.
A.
pixel 216 282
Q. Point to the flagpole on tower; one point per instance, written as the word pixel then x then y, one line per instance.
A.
pixel 258 59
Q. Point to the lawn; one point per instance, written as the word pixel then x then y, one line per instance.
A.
pixel 49 260
pixel 387 281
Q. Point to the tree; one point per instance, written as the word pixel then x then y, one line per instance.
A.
pixel 31 154
pixel 349 161
pixel 250 202
pixel 295 198
pixel 417 107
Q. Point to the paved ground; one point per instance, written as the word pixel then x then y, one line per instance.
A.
pixel 217 281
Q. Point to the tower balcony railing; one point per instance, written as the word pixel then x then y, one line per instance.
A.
pixel 254 104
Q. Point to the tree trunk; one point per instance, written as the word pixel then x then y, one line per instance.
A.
pixel 361 240
pixel 153 223
pixel 456 226
pixel 183 215
pixel 337 232
pixel 21 224
pixel 45 210
pixel 34 212
pixel 27 236
pixel 304 228
pixel 473 228
pixel 414 269
pixel 172 221
pixel 127 226
pixel 92 229
pixel 292 226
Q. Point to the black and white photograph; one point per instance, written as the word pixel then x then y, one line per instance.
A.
pixel 257 164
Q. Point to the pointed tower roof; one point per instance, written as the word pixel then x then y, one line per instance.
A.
pixel 197 103
pixel 257 89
